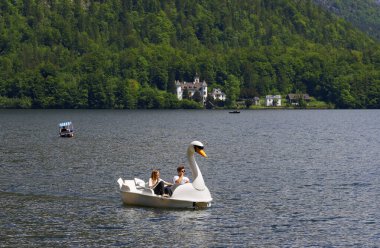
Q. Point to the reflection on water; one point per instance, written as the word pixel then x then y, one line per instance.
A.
pixel 278 178
pixel 157 226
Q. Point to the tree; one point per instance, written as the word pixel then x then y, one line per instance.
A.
pixel 232 86
pixel 197 97
pixel 185 94
pixel 248 103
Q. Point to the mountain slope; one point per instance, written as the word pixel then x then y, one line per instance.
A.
pixel 127 54
pixel 364 14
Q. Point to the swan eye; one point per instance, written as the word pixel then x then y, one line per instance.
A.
pixel 198 147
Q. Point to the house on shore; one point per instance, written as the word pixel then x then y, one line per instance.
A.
pixel 191 88
pixel 256 101
pixel 218 94
pixel 274 101
pixel 197 86
pixel 294 99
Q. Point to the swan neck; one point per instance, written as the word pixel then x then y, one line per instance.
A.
pixel 198 182
pixel 193 164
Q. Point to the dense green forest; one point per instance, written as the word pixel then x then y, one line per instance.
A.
pixel 364 14
pixel 128 53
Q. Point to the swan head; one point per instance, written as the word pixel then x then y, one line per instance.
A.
pixel 197 147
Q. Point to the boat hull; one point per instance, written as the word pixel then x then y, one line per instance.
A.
pixel 66 135
pixel 137 199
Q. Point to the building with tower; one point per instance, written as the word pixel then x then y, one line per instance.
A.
pixel 190 88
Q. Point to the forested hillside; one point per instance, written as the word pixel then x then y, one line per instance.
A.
pixel 128 53
pixel 364 14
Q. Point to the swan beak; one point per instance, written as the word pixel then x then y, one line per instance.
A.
pixel 201 152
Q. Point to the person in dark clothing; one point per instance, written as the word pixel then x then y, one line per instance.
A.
pixel 159 186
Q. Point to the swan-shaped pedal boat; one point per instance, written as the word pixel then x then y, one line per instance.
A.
pixel 189 195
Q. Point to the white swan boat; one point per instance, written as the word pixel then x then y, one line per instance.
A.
pixel 189 195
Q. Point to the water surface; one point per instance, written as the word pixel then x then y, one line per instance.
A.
pixel 278 178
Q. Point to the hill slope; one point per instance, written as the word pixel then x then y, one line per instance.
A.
pixel 127 54
pixel 364 14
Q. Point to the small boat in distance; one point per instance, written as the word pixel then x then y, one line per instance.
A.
pixel 66 129
pixel 235 112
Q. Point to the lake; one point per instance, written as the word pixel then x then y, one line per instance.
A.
pixel 285 178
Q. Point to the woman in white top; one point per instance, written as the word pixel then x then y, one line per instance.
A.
pixel 158 185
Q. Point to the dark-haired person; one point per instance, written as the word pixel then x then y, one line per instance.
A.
pixel 180 178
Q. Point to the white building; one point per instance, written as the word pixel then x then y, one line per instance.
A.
pixel 273 101
pixel 192 87
pixel 218 94
pixel 256 101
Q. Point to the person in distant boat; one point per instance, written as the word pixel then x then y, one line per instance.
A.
pixel 181 179
pixel 159 186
